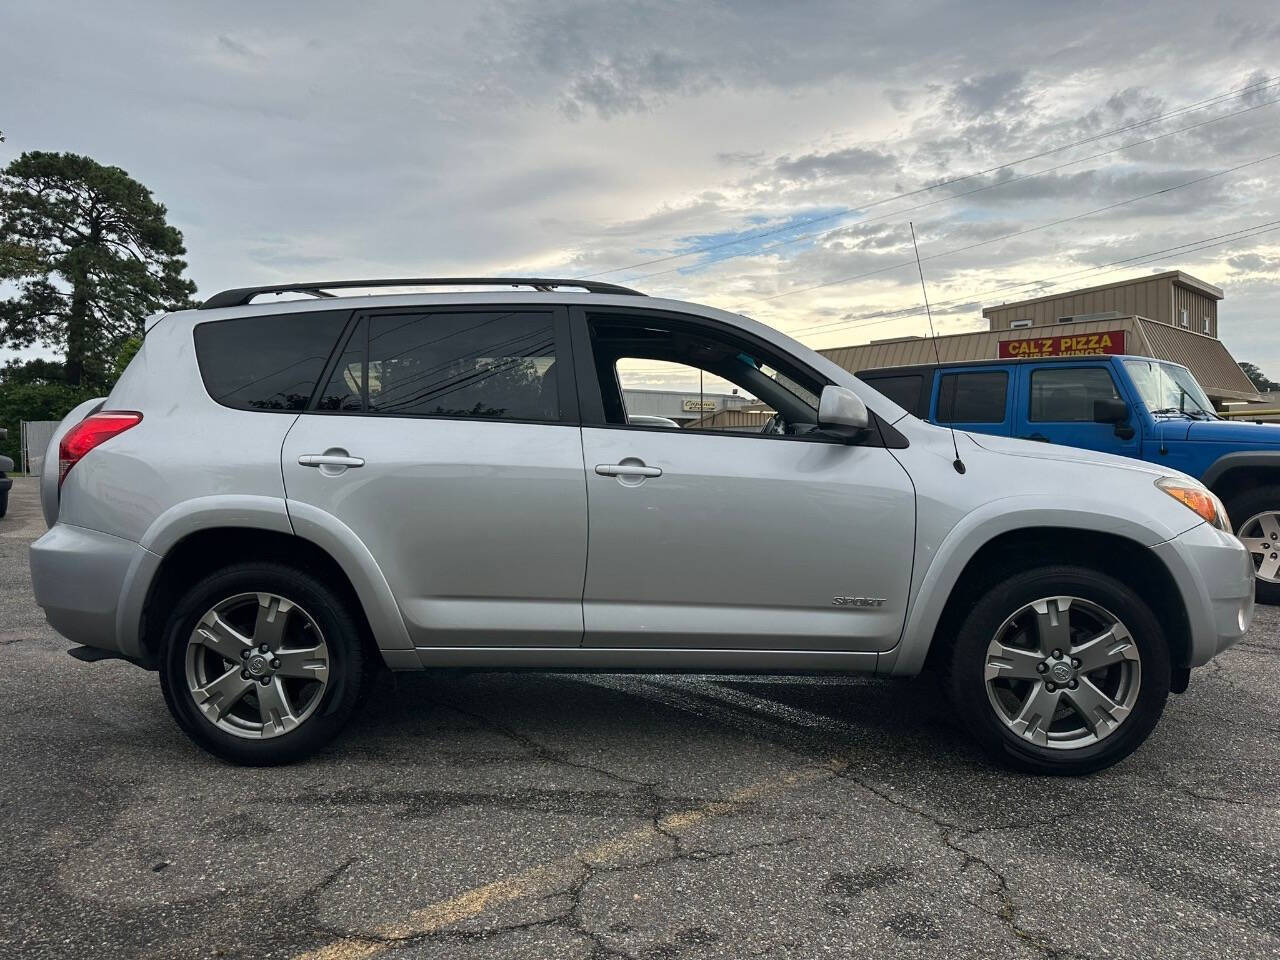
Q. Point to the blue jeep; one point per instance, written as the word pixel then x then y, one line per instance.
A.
pixel 1133 406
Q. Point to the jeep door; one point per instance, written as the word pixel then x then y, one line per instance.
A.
pixel 445 441
pixel 1055 403
pixel 745 527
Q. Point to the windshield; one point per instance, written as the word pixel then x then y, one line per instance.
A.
pixel 1167 388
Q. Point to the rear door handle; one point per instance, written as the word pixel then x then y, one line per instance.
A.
pixel 627 470
pixel 329 460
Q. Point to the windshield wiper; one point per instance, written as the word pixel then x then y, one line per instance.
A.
pixel 1169 411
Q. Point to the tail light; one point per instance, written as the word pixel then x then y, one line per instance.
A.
pixel 89 433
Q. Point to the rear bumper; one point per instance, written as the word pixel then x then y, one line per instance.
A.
pixel 88 584
pixel 1214 573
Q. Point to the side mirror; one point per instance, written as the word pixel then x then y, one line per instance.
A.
pixel 1110 411
pixel 842 411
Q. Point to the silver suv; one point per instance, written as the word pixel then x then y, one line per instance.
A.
pixel 278 497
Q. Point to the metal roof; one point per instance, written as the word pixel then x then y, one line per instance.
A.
pixel 1177 276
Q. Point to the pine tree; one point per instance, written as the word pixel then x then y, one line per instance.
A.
pixel 91 256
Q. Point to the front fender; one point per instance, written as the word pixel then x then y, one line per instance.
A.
pixel 978 528
pixel 1247 459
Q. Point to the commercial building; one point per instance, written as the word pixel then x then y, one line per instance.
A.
pixel 1167 316
pixel 682 406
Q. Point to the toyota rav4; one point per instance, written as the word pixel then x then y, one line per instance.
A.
pixel 277 497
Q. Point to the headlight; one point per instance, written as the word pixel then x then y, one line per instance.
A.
pixel 1197 498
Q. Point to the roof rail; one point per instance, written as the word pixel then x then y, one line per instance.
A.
pixel 241 296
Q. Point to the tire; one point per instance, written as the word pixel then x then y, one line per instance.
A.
pixel 290 705
pixel 1137 674
pixel 1246 510
pixel 4 502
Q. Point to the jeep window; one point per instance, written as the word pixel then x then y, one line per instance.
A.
pixel 1066 394
pixel 650 353
pixel 485 364
pixel 903 389
pixel 977 397
pixel 268 362
pixel 1167 388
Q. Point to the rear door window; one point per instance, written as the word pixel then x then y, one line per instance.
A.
pixel 485 364
pixel 973 397
pixel 267 362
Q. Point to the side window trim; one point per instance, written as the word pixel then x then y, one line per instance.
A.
pixel 565 379
pixel 335 357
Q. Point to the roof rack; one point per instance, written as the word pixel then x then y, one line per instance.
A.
pixel 242 296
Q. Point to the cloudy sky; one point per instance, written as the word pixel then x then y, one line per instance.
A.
pixel 758 156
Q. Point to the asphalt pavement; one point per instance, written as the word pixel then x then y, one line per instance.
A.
pixel 472 815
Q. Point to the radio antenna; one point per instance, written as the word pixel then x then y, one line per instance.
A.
pixel 933 335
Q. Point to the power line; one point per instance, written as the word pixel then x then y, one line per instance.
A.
pixel 959 196
pixel 1151 256
pixel 1229 236
pixel 1252 87
pixel 1019 233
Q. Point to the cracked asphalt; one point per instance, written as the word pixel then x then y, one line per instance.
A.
pixel 577 816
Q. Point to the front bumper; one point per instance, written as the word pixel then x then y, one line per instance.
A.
pixel 1214 573
pixel 90 586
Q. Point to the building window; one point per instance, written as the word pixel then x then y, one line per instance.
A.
pixel 1020 324
pixel 1185 324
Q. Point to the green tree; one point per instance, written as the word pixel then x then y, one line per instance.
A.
pixel 91 255
pixel 1261 382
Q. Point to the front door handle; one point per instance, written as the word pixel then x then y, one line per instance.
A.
pixel 626 469
pixel 329 460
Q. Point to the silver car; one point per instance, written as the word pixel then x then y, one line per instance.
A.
pixel 278 498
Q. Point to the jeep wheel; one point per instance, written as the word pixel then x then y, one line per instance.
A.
pixel 1060 670
pixel 263 664
pixel 1256 515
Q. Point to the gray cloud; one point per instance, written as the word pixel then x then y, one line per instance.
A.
pixel 851 161
pixel 577 136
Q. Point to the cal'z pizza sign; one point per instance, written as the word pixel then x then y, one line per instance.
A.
pixel 1071 345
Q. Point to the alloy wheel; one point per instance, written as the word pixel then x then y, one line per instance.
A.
pixel 257 665
pixel 1063 672
pixel 1261 535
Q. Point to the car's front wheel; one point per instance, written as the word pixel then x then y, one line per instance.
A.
pixel 1060 670
pixel 263 663
pixel 1256 515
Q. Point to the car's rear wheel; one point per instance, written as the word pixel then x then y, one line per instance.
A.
pixel 1256 515
pixel 1060 670
pixel 263 664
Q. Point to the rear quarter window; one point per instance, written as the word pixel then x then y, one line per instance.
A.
pixel 267 362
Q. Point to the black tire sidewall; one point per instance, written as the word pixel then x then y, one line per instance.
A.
pixel 347 662
pixel 967 685
pixel 1249 504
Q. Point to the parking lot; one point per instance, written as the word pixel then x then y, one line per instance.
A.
pixel 526 815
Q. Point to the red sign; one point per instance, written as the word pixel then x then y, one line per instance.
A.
pixel 1070 345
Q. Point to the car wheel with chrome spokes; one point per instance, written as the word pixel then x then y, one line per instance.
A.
pixel 1060 670
pixel 264 663
pixel 1256 515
